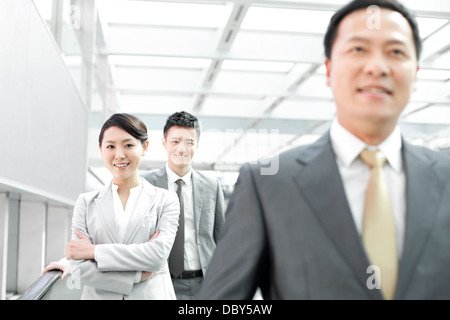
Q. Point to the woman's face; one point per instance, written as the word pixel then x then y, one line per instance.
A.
pixel 121 153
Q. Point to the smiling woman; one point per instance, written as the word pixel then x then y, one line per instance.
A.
pixel 122 143
pixel 128 227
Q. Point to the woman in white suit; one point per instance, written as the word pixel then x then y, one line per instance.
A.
pixel 122 234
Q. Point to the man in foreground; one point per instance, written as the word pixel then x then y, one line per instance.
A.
pixel 360 214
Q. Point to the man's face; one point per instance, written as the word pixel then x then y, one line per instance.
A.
pixel 372 71
pixel 180 144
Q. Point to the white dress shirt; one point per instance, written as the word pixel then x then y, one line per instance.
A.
pixel 355 175
pixel 191 255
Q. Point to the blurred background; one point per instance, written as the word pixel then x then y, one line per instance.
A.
pixel 251 71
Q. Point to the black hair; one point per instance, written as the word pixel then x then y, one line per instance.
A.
pixel 131 124
pixel 182 119
pixel 394 5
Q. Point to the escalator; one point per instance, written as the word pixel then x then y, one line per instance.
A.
pixel 49 286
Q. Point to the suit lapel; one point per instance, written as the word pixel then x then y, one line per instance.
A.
pixel 319 180
pixel 423 193
pixel 197 190
pixel 105 207
pixel 161 179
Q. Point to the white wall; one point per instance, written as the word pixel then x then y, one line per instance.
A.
pixel 43 121
pixel 31 255
pixel 3 243
pixel 43 129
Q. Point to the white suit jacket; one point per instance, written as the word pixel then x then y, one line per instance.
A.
pixel 114 272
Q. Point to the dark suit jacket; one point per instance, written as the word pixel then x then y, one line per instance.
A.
pixel 209 209
pixel 292 234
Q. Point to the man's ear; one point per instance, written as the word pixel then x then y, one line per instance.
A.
pixel 328 68
pixel 414 88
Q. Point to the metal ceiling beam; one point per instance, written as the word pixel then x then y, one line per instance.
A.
pixel 422 8
pixel 57 21
pixel 319 59
pixel 226 39
pixel 86 38
pixel 296 4
pixel 313 56
pixel 433 46
pixel 103 73
pixel 281 94
pixel 293 83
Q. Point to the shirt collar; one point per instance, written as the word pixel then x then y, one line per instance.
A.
pixel 172 176
pixel 347 146
pixel 115 187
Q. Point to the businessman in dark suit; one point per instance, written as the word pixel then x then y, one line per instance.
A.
pixel 203 204
pixel 305 232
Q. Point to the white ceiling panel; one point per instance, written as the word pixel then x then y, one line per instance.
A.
pixel 250 70
pixel 208 15
pixel 428 26
pixel 430 74
pixel 433 91
pixel 160 41
pixel 255 65
pixel 157 79
pixel 259 83
pixel 315 86
pixel 233 107
pixel 288 20
pixel 436 114
pixel 304 109
pixel 155 104
pixel 441 61
pixel 278 46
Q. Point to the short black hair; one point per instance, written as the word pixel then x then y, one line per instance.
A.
pixel 182 119
pixel 131 124
pixel 394 5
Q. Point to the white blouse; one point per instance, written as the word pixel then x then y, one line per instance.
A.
pixel 123 215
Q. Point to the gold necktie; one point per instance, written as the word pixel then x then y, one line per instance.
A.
pixel 378 224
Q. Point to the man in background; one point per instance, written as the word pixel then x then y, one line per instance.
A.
pixel 202 201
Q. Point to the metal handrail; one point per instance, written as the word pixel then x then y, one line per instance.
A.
pixel 40 287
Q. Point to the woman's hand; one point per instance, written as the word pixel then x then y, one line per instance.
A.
pixel 145 275
pixel 62 265
pixel 154 236
pixel 81 248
